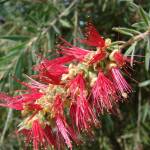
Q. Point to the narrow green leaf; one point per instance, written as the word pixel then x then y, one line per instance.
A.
pixel 131 49
pixel 147 61
pixel 11 55
pixel 145 16
pixel 5 59
pixel 18 67
pixel 145 113
pixel 65 23
pixel 17 47
pixel 56 29
pixel 132 31
pixel 147 56
pixel 144 83
pixel 15 38
pixel 122 31
pixel 132 56
pixel 139 25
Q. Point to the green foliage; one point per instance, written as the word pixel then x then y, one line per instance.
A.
pixel 29 28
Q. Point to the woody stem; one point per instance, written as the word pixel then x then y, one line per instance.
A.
pixel 135 38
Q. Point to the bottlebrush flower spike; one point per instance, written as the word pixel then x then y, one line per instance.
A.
pixel 84 117
pixel 104 93
pixel 93 38
pixel 63 128
pixel 81 88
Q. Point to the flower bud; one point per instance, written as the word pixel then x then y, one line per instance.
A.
pixel 108 41
pixel 111 56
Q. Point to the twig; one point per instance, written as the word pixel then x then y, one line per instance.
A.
pixel 135 38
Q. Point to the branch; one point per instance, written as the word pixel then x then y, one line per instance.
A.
pixel 135 38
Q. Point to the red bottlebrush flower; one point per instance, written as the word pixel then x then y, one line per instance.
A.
pixel 120 83
pixel 50 71
pixel 98 57
pixel 17 102
pixel 119 58
pixel 84 117
pixel 70 50
pixel 93 38
pixel 63 128
pixel 41 137
pixel 104 93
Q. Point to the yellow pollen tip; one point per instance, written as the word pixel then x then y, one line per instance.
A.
pixel 124 95
pixel 111 65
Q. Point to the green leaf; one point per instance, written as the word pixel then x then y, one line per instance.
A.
pixel 147 61
pixel 123 31
pixel 132 56
pixel 56 29
pixel 145 16
pixel 144 83
pixel 146 112
pixel 140 25
pixel 11 55
pixel 15 38
pixel 5 59
pixel 17 47
pixel 131 49
pixel 147 56
pixel 132 31
pixel 18 67
pixel 65 23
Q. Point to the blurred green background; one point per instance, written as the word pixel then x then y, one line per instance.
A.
pixel 31 27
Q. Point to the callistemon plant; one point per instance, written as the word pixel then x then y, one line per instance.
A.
pixel 67 95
